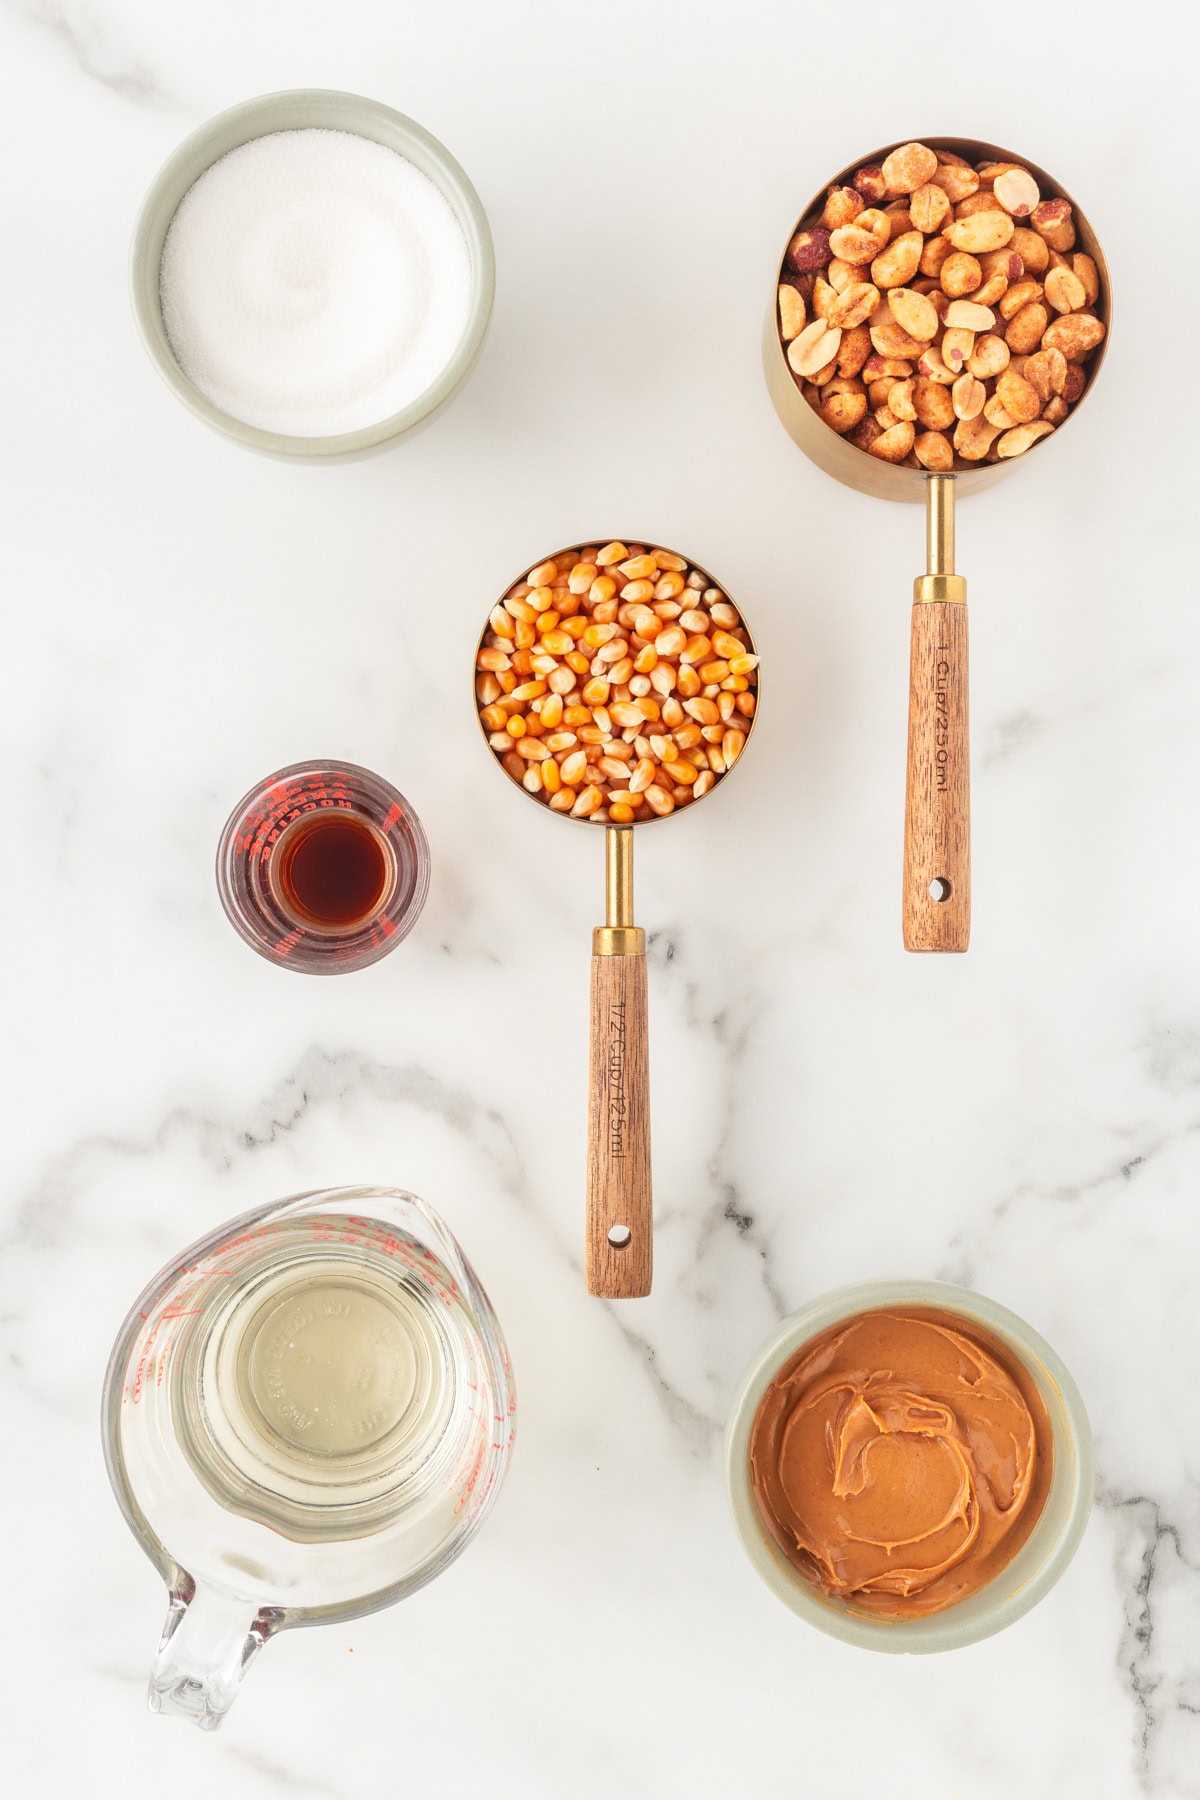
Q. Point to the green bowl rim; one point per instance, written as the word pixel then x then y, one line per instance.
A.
pixel 998 1604
pixel 336 110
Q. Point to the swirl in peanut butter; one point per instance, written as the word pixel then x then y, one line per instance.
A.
pixel 900 1460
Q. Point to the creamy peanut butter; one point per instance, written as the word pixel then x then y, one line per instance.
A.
pixel 901 1459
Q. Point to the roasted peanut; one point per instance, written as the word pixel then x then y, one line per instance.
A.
pixel 992 289
pixel 956 180
pixel 1085 268
pixel 984 201
pixel 1075 383
pixel 842 411
pixel 900 400
pixel 854 351
pixel 908 168
pixel 809 250
pixel 934 452
pixel 932 403
pixel 929 208
pixel 1026 329
pixel 790 324
pixel 1033 250
pixel 1064 290
pixel 870 183
pixel 1046 372
pixel 956 348
pixel 990 355
pixel 960 274
pixel 1017 441
pixel 1052 221
pixel 897 265
pixel 877 366
pixel 1017 192
pixel 894 444
pixel 914 313
pixel 932 368
pixel 852 244
pixel 1018 397
pixel 854 304
pixel 968 397
pixel 842 207
pixel 952 301
pixel 816 346
pixel 982 231
pixel 890 339
pixel 1075 334
pixel 823 297
pixel 864 435
pixel 968 315
pixel 973 438
pixel 1017 296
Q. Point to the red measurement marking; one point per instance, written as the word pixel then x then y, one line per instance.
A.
pixel 182 1312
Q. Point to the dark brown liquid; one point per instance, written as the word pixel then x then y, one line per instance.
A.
pixel 332 871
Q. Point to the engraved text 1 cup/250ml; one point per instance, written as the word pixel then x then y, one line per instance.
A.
pixel 307 1415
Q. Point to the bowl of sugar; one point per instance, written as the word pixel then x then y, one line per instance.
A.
pixel 312 274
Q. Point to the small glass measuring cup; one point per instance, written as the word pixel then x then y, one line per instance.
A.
pixel 306 1416
pixel 268 824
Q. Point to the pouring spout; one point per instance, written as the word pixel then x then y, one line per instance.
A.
pixel 209 1640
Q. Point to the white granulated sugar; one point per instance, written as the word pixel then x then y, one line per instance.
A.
pixel 314 282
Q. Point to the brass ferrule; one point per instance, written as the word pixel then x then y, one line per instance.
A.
pixel 618 940
pixel 619 936
pixel 940 587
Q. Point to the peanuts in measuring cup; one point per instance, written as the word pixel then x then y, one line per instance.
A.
pixel 921 273
pixel 619 684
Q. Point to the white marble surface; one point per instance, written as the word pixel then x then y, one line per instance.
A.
pixel 180 617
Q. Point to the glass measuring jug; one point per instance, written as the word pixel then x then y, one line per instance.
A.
pixel 306 1416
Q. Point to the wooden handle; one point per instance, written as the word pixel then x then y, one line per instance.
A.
pixel 937 814
pixel 620 1242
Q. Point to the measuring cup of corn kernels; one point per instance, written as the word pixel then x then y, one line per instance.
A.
pixel 307 1415
pixel 617 684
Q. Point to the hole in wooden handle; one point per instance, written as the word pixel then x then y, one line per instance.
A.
pixel 619 1236
pixel 940 888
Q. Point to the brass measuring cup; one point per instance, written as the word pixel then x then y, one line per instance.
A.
pixel 620 1252
pixel 936 912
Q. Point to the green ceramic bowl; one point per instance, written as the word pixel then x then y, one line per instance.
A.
pixel 1040 1560
pixel 294 111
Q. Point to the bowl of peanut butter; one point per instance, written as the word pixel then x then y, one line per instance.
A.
pixel 909 1465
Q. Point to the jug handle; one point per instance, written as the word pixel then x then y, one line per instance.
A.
pixel 209 1640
